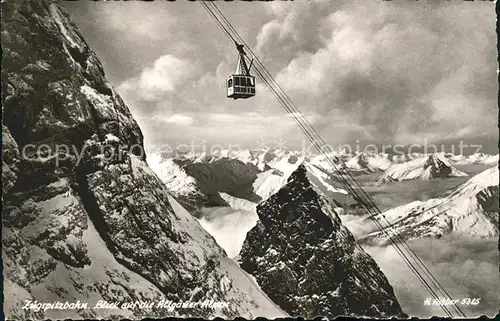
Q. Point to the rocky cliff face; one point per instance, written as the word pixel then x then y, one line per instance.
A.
pixel 84 216
pixel 308 262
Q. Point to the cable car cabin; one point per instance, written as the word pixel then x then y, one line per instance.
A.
pixel 239 86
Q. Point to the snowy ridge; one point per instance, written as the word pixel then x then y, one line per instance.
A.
pixel 275 167
pixel 175 178
pixel 245 156
pixel 469 209
pixel 369 162
pixel 422 168
pixel 359 162
pixel 239 203
pixel 282 165
pixel 272 167
pixel 478 183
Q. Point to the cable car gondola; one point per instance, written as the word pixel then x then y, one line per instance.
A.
pixel 241 84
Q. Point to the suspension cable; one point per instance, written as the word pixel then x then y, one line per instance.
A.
pixel 364 199
pixel 307 134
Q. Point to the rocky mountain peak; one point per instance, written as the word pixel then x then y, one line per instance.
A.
pixel 297 191
pixel 308 262
pixel 437 167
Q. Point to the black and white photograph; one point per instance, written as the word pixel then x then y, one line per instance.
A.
pixel 275 159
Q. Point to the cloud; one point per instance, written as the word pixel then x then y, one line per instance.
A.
pixel 228 226
pixel 293 29
pixel 386 72
pixel 181 120
pixel 145 25
pixel 358 226
pixel 255 117
pixel 166 74
pixel 401 77
pixel 226 118
pixel 248 124
pixel 465 268
pixel 267 31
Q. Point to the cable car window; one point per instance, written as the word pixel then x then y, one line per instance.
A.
pixel 237 81
pixel 229 82
pixel 251 80
pixel 244 81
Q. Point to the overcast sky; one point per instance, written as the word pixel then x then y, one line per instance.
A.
pixel 373 71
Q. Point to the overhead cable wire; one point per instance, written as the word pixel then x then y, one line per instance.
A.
pixel 280 99
pixel 310 133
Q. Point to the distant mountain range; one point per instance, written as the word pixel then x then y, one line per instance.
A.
pixel 262 173
pixel 254 175
pixel 422 168
pixel 469 209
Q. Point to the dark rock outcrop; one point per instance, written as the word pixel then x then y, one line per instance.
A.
pixel 308 262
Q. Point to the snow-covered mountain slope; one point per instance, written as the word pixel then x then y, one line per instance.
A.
pixel 270 181
pixel 369 162
pixel 357 162
pixel 422 168
pixel 308 262
pixel 238 203
pixel 198 184
pixel 257 157
pixel 197 180
pixel 93 222
pixel 172 174
pixel 328 186
pixel 183 186
pixel 470 209
pixel 228 226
